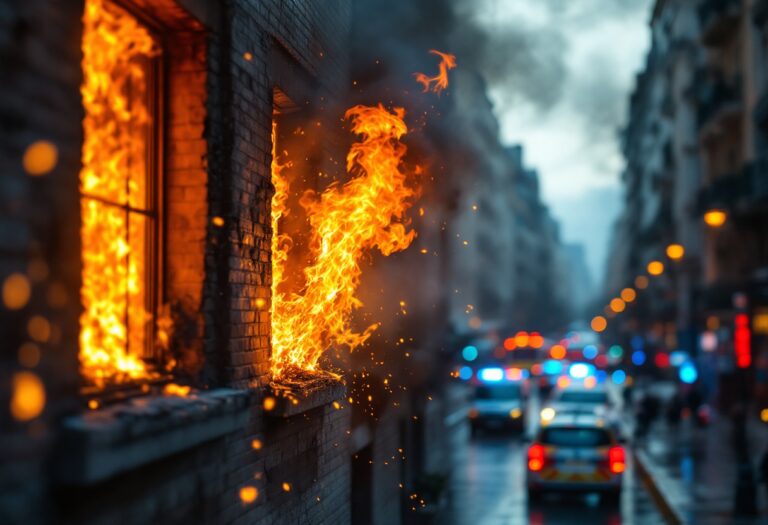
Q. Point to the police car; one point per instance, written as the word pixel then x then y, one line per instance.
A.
pixel 575 452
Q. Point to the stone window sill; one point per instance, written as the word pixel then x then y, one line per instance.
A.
pixel 98 445
pixel 303 398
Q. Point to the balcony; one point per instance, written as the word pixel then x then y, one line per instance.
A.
pixel 744 192
pixel 719 20
pixel 724 193
pixel 717 98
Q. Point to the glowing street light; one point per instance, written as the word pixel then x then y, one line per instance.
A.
pixel 641 283
pixel 628 295
pixel 618 305
pixel 599 323
pixel 715 218
pixel 675 251
pixel 655 268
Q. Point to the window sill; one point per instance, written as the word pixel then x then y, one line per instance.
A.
pixel 101 444
pixel 297 400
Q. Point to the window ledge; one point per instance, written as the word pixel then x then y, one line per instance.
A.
pixel 295 401
pixel 100 444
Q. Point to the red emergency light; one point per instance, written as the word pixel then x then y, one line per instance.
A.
pixel 742 341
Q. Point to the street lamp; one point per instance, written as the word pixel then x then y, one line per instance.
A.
pixel 628 295
pixel 599 324
pixel 675 251
pixel 655 268
pixel 618 305
pixel 715 218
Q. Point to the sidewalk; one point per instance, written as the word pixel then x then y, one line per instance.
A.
pixel 693 471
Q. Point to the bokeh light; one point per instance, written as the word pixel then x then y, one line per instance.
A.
pixel 628 295
pixel 641 282
pixel 469 353
pixel 618 305
pixel 688 373
pixel 27 396
pixel 599 323
pixel 715 218
pixel 249 494
pixel 589 352
pixel 675 251
pixel 16 291
pixel 557 352
pixel 40 158
pixel 655 268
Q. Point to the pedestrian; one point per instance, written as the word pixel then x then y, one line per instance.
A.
pixel 674 409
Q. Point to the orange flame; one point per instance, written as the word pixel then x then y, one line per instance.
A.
pixel 439 82
pixel 113 323
pixel 346 221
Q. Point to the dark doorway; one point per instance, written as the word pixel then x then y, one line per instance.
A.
pixel 362 486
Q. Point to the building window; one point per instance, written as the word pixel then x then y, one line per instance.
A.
pixel 119 196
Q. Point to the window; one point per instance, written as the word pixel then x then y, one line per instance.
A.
pixel 119 195
pixel 575 437
pixel 499 392
pixel 591 398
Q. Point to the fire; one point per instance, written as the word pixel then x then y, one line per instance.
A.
pixel 347 221
pixel 113 323
pixel 439 82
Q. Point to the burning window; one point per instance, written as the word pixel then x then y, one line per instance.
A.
pixel 118 195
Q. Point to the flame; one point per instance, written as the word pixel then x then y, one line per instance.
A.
pixel 172 389
pixel 347 220
pixel 113 323
pixel 439 82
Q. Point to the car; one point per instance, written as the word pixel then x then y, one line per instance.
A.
pixel 575 452
pixel 498 406
pixel 577 399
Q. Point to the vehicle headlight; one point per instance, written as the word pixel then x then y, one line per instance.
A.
pixel 515 413
pixel 547 414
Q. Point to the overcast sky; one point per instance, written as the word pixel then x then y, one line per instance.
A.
pixel 568 69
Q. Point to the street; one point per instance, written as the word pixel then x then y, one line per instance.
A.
pixel 488 488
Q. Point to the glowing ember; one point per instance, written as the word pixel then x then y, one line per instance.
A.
pixel 113 326
pixel 439 82
pixel 172 389
pixel 248 494
pixel 347 221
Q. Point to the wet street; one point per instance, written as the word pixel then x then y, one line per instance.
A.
pixel 488 488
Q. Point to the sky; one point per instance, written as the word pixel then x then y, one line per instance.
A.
pixel 562 91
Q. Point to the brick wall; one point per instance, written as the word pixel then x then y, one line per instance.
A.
pixel 224 60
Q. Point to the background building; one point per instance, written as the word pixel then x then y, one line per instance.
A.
pixel 693 147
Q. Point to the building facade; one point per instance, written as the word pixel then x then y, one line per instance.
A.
pixel 693 180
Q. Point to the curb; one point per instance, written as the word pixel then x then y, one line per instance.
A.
pixel 658 494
